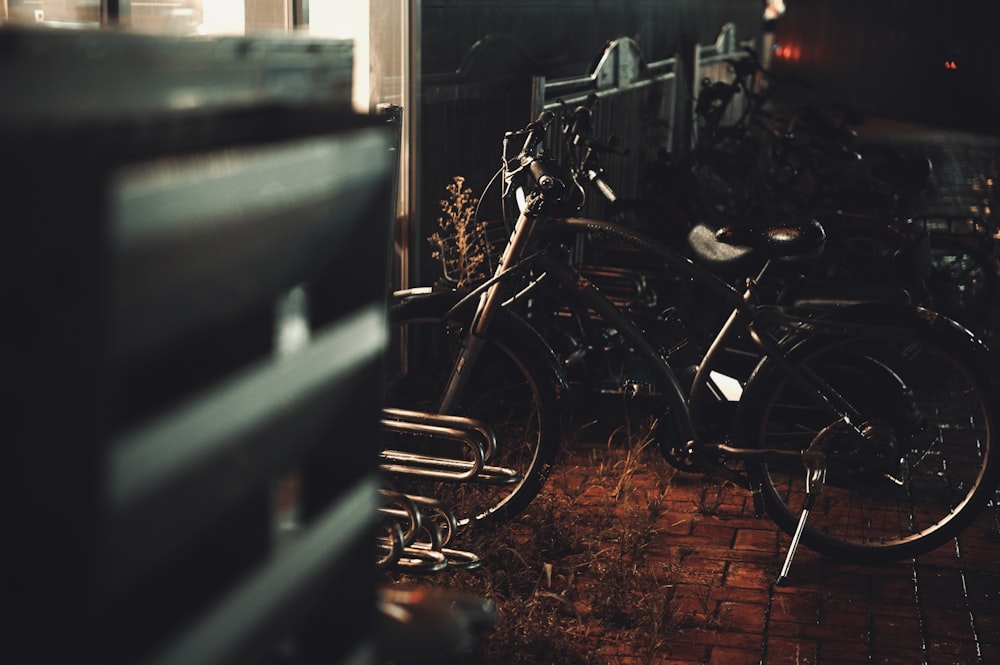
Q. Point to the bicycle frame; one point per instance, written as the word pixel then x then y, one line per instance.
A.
pixel 762 321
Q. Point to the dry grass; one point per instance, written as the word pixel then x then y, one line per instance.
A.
pixel 573 577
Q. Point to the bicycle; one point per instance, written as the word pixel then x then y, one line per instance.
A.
pixel 864 430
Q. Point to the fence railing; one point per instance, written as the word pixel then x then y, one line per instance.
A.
pixel 635 104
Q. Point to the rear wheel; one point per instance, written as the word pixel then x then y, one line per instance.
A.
pixel 510 390
pixel 924 465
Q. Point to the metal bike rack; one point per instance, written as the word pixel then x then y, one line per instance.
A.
pixel 417 532
pixel 474 437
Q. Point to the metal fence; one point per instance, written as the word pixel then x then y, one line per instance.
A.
pixel 647 106
pixel 635 105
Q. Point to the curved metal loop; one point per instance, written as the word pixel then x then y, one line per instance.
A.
pixel 418 425
pixel 401 507
pixel 391 544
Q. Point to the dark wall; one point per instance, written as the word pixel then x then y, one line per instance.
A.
pixel 890 57
pixel 563 36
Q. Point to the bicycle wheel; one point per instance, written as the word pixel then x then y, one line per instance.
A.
pixel 512 390
pixel 923 469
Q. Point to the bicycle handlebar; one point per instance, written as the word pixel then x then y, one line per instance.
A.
pixel 552 177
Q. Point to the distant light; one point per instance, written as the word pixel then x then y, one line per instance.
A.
pixel 950 64
pixel 788 52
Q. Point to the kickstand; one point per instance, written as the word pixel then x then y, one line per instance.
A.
pixel 815 463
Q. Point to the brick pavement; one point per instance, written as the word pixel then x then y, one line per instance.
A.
pixel 943 608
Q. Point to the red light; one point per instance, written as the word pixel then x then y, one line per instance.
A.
pixel 780 51
pixel 950 64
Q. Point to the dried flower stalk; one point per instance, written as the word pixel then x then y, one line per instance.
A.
pixel 462 245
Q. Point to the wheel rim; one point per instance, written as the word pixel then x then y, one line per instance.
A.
pixel 502 394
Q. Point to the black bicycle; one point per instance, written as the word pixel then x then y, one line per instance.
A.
pixel 864 430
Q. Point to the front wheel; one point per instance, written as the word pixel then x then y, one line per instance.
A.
pixel 923 466
pixel 513 390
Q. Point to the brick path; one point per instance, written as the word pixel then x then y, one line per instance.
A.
pixel 942 608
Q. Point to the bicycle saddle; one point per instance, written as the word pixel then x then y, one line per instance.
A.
pixel 728 244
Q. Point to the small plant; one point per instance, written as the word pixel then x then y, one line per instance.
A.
pixel 461 243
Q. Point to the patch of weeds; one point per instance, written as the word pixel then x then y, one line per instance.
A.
pixel 575 578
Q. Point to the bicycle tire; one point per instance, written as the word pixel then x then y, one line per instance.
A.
pixel 907 488
pixel 515 390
